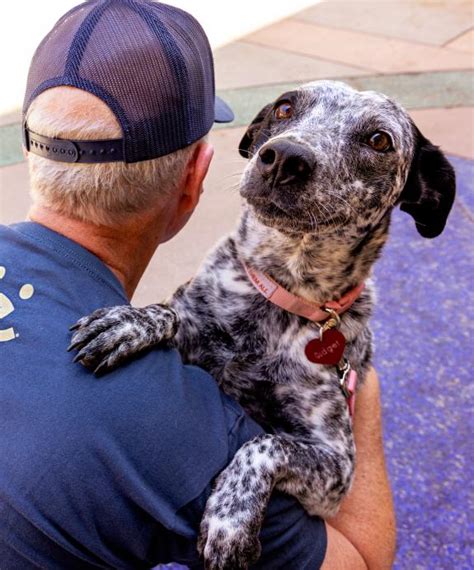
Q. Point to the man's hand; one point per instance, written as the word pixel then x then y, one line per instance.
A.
pixel 362 534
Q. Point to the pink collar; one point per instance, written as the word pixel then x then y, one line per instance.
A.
pixel 277 295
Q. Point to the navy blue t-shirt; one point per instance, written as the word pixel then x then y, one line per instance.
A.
pixel 111 472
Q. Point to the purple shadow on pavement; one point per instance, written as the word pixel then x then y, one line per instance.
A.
pixel 423 321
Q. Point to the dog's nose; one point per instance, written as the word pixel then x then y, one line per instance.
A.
pixel 285 162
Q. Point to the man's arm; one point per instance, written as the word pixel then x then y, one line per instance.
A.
pixel 362 535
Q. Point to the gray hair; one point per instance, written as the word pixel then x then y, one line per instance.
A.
pixel 104 193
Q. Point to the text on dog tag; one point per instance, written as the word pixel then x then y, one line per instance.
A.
pixel 328 350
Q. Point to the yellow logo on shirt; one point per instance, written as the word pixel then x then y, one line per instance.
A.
pixel 6 306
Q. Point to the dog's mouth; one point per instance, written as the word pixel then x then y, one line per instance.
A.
pixel 268 209
pixel 291 219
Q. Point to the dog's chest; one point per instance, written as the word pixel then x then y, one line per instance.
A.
pixel 268 370
pixel 276 349
pixel 256 350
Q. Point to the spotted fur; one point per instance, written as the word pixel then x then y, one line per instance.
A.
pixel 317 238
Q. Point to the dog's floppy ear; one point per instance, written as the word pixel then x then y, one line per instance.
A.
pixel 251 134
pixel 430 188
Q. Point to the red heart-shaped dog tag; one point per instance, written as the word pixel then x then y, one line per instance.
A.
pixel 329 350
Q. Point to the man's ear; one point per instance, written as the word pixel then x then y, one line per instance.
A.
pixel 181 204
pixel 251 135
pixel 430 188
pixel 197 169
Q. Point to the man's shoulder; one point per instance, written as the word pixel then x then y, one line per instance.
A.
pixel 56 261
pixel 168 419
pixel 177 395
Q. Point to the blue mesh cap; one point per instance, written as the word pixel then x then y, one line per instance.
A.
pixel 149 62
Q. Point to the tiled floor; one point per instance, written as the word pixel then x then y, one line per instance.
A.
pixel 427 22
pixel 464 42
pixel 420 52
pixel 274 66
pixel 455 126
pixel 373 53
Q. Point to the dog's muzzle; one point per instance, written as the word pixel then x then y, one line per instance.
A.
pixel 284 162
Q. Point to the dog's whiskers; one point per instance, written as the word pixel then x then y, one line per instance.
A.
pixel 344 201
pixel 232 187
pixel 231 175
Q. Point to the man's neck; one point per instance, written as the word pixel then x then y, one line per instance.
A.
pixel 126 251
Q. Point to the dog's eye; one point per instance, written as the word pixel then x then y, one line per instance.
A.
pixel 380 141
pixel 283 111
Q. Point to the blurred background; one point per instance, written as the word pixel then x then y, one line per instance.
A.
pixel 421 53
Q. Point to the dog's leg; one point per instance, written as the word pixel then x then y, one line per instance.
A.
pixel 317 473
pixel 109 336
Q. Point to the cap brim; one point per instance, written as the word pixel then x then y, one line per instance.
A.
pixel 222 112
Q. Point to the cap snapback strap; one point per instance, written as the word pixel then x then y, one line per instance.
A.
pixel 63 150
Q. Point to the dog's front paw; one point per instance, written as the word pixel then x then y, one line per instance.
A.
pixel 233 515
pixel 227 544
pixel 108 337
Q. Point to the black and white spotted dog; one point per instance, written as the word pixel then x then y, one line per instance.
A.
pixel 327 166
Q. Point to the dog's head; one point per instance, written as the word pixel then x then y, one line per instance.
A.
pixel 325 156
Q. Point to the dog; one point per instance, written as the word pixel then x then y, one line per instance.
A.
pixel 327 166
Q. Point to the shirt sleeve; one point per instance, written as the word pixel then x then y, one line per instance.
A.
pixel 290 538
pixel 166 434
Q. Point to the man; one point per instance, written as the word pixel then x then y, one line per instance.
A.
pixel 115 473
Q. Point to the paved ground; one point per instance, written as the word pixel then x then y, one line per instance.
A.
pixel 420 52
